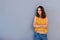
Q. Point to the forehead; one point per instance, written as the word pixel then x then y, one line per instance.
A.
pixel 39 8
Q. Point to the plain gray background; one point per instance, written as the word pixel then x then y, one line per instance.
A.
pixel 16 18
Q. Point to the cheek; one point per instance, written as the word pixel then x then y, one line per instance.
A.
pixel 39 11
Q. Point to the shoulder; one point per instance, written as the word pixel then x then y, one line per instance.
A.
pixel 35 17
pixel 46 18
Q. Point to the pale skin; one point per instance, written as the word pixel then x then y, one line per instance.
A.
pixel 36 25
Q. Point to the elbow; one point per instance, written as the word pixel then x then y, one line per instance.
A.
pixel 33 25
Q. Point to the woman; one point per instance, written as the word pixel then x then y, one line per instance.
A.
pixel 40 24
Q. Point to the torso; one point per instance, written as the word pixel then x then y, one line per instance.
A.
pixel 41 21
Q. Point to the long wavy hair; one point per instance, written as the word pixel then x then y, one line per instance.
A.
pixel 43 14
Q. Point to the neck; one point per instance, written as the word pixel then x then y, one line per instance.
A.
pixel 40 15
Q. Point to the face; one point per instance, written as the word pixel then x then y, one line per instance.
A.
pixel 39 11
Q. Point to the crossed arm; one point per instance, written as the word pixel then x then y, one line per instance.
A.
pixel 36 25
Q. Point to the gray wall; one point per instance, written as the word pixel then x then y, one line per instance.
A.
pixel 16 18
